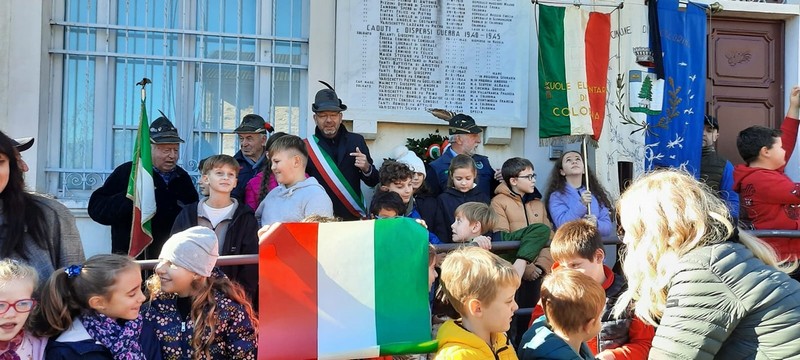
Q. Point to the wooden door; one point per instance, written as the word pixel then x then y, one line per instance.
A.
pixel 745 78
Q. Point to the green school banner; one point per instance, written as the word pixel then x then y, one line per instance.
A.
pixel 574 47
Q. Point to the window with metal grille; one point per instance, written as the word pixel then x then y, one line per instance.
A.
pixel 211 62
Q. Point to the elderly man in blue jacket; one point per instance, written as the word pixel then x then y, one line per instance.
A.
pixel 465 136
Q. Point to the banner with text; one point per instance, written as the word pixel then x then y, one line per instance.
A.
pixel 675 137
pixel 573 70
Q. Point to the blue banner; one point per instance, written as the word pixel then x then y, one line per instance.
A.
pixel 674 138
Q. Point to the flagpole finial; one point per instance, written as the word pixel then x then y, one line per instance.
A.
pixel 143 83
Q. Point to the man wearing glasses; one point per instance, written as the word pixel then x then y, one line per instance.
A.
pixel 338 158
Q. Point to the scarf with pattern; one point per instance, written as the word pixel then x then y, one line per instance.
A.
pixel 8 349
pixel 121 340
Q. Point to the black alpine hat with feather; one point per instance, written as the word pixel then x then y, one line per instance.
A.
pixel 458 123
pixel 163 132
pixel 327 100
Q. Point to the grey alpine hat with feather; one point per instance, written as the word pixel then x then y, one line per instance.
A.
pixel 327 100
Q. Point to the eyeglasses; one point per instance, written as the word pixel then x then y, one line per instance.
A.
pixel 530 177
pixel 21 306
pixel 323 116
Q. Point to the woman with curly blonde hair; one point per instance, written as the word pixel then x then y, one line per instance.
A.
pixel 711 291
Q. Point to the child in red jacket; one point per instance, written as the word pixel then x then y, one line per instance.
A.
pixel 577 245
pixel 769 198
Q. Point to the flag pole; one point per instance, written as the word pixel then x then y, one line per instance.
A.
pixel 586 172
pixel 143 83
pixel 140 185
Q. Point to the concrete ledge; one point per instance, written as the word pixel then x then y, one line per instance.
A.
pixel 367 128
pixel 497 135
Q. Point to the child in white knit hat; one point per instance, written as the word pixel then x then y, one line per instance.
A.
pixel 424 199
pixel 194 307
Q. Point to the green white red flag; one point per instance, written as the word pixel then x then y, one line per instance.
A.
pixel 346 290
pixel 141 189
pixel 574 47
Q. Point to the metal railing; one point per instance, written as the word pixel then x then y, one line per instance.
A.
pixel 497 247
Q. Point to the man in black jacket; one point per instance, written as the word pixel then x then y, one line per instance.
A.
pixel 253 133
pixel 339 159
pixel 109 204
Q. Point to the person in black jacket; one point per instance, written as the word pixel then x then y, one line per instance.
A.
pixel 109 204
pixel 461 188
pixel 233 222
pixel 253 133
pixel 336 153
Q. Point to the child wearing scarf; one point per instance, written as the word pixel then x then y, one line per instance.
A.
pixel 93 309
pixel 17 284
pixel 197 312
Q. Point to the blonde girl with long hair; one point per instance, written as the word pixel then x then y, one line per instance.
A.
pixel 197 312
pixel 712 291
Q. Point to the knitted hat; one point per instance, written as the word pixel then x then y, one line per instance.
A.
pixel 405 156
pixel 194 249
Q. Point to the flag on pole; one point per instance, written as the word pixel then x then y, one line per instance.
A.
pixel 345 290
pixel 574 46
pixel 141 189
pixel 675 136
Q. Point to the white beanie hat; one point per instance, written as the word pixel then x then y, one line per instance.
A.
pixel 403 155
pixel 194 249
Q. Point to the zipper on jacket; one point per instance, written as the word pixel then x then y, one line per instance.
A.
pixel 497 353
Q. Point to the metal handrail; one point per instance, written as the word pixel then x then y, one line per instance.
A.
pixel 497 247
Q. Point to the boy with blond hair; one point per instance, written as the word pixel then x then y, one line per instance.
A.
pixel 577 245
pixel 480 286
pixel 232 222
pixel 573 303
pixel 475 222
pixel 296 196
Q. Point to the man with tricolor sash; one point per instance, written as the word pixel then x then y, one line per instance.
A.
pixel 339 159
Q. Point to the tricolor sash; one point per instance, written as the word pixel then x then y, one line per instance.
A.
pixel 334 178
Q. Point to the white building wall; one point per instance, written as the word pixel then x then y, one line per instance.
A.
pixel 24 93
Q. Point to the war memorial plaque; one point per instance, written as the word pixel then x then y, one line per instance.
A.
pixel 395 58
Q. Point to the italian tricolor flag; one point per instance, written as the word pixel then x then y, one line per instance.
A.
pixel 344 290
pixel 573 69
pixel 141 189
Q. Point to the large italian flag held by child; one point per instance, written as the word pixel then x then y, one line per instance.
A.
pixel 353 289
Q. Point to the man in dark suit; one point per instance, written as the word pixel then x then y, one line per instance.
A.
pixel 109 204
pixel 339 159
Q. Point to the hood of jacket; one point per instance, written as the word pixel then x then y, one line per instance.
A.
pixel 545 344
pixel 455 342
pixel 742 172
pixel 503 189
pixel 283 191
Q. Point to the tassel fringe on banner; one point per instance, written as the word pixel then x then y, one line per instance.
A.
pixel 570 139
